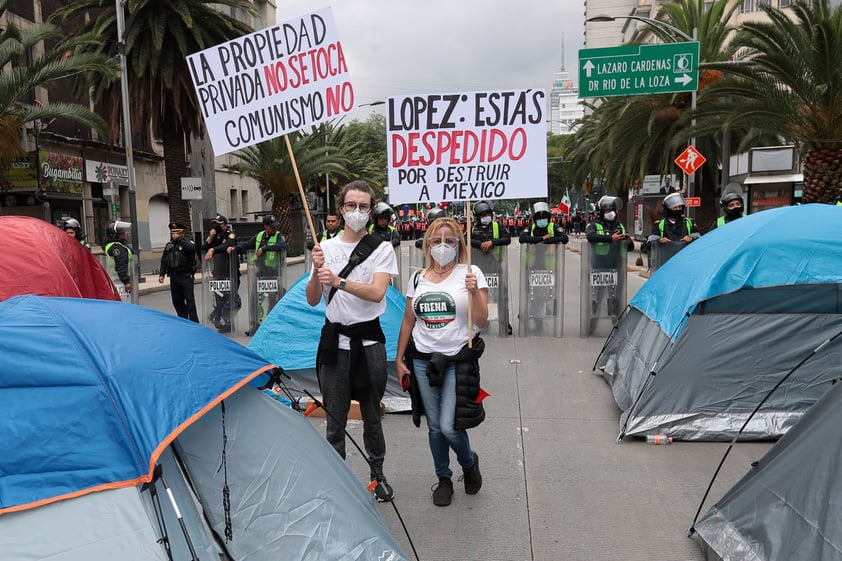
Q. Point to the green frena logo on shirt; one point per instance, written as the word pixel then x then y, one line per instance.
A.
pixel 435 309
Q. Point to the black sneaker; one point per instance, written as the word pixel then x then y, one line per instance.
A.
pixel 472 477
pixel 383 492
pixel 443 492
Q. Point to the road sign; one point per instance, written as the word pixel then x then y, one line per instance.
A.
pixel 693 201
pixel 690 160
pixel 639 69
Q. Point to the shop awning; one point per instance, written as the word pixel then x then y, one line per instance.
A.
pixel 780 178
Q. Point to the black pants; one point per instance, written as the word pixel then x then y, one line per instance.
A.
pixel 183 299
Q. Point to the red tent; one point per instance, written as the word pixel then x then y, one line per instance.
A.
pixel 38 258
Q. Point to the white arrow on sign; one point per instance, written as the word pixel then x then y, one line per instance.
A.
pixel 588 67
pixel 684 80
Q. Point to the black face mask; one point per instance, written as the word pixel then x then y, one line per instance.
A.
pixel 734 212
pixel 675 213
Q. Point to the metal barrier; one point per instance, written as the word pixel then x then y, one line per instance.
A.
pixel 494 265
pixel 266 278
pixel 603 287
pixel 541 298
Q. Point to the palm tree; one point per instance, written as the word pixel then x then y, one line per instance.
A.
pixel 159 35
pixel 627 137
pixel 269 163
pixel 17 82
pixel 788 84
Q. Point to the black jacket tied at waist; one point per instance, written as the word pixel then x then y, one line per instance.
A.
pixel 469 412
pixel 329 350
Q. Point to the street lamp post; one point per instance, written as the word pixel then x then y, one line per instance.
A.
pixel 672 32
pixel 127 124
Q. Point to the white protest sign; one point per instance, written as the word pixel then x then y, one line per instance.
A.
pixel 272 82
pixel 467 146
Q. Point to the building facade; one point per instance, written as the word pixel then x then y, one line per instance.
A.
pixel 70 173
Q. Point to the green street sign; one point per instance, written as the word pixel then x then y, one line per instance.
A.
pixel 639 69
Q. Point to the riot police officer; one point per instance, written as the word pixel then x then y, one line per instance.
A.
pixel 179 262
pixel 606 234
pixel 266 243
pixel 431 217
pixel 73 228
pixel 674 226
pixel 542 230
pixel 219 249
pixel 732 204
pixel 120 251
pixel 381 226
pixel 487 232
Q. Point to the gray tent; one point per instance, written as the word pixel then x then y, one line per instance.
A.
pixel 788 506
pixel 712 332
pixel 291 497
pixel 100 428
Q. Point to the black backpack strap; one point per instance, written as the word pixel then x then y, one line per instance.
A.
pixel 363 249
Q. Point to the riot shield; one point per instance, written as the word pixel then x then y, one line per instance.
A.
pixel 494 265
pixel 660 253
pixel 220 293
pixel 266 277
pixel 308 260
pixel 603 287
pixel 108 264
pixel 399 281
pixel 541 298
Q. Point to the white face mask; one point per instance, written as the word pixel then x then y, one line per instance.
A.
pixel 485 220
pixel 610 215
pixel 443 254
pixel 356 219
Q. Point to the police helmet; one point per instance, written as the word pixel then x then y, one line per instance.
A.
pixel 540 210
pixel 728 197
pixel 674 200
pixel 270 220
pixel 481 208
pixel 608 202
pixel 117 227
pixel 382 210
pixel 219 219
pixel 72 223
pixel 435 214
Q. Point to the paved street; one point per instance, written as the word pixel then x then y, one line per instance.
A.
pixel 556 485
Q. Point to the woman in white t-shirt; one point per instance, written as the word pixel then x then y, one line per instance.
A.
pixel 435 334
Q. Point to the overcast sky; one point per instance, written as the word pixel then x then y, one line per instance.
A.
pixel 400 47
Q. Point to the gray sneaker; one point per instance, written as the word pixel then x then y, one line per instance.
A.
pixel 383 492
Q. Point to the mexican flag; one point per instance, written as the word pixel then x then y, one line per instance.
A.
pixel 564 205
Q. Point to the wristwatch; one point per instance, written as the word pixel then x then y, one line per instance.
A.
pixel 341 285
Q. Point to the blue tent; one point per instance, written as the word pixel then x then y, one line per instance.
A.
pixel 133 434
pixel 92 391
pixel 289 337
pixel 722 321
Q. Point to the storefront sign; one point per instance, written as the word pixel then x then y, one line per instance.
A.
pixel 102 172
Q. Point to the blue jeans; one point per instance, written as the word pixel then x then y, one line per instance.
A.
pixel 440 410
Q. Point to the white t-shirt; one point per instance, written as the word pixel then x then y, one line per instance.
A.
pixel 441 311
pixel 346 308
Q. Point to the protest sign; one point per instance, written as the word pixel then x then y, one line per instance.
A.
pixel 467 146
pixel 272 82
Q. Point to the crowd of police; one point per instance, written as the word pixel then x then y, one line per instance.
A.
pixel 539 230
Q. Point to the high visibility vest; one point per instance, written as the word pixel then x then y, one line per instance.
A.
pixel 549 250
pixel 602 248
pixel 662 223
pixel 325 236
pixel 270 258
pixel 720 222
pixel 128 251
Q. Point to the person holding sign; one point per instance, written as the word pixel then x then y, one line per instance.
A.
pixel 351 272
pixel 433 354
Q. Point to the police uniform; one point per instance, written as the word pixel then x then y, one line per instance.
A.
pixel 224 304
pixel 179 262
pixel 123 255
